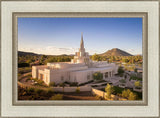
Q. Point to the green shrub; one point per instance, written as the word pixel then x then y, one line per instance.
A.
pixel 74 84
pixel 19 74
pixel 109 90
pixel 132 96
pixel 31 90
pixel 23 64
pixel 30 98
pixel 30 75
pixel 120 71
pixel 97 76
pixel 129 94
pixel 77 90
pixel 125 93
pixel 133 77
pixel 52 84
pixel 137 84
pixel 50 92
pixel 61 84
pixel 40 81
pixel 39 91
pixel 57 97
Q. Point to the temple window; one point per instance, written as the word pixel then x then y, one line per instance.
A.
pixel 88 77
pixel 75 80
pixel 62 78
pixel 106 75
pixel 69 78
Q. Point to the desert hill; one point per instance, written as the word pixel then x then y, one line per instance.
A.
pixel 21 53
pixel 115 52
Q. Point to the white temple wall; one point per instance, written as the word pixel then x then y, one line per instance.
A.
pixel 58 77
pixel 47 76
pixel 80 76
pixel 35 70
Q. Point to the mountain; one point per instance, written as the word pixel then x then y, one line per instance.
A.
pixel 115 52
pixel 21 53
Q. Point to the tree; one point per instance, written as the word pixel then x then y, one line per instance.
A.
pixel 132 96
pixel 97 76
pixel 137 84
pixel 57 97
pixel 77 90
pixel 52 84
pixel 120 71
pixel 96 57
pixel 109 90
pixel 125 93
pixel 135 70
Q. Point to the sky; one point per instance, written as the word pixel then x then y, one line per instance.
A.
pixel 56 36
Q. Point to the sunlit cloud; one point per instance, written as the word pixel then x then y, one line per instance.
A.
pixel 52 50
pixel 133 51
pixel 49 50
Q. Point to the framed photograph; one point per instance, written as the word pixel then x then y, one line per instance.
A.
pixel 80 59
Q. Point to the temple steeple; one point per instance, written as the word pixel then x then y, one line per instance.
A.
pixel 82 43
pixel 81 56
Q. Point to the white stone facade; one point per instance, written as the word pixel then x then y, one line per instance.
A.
pixel 80 69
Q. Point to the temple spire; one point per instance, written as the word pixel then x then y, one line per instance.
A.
pixel 82 43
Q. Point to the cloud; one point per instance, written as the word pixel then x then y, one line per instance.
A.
pixel 134 51
pixel 50 50
pixel 53 50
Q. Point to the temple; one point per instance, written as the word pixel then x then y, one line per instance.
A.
pixel 80 69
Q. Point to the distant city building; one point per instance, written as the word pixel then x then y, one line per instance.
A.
pixel 79 70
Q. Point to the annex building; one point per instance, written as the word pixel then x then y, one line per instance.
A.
pixel 80 69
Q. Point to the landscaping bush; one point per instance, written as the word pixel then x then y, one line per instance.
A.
pixel 126 93
pixel 94 85
pixel 132 96
pixel 109 90
pixel 30 90
pixel 19 74
pixel 61 84
pixel 30 98
pixel 23 64
pixel 57 97
pixel 100 81
pixel 77 90
pixel 97 76
pixel 133 77
pixel 120 71
pixel 74 84
pixel 103 84
pixel 137 84
pixel 52 84
pixel 50 92
pixel 38 91
pixel 40 82
pixel 85 83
